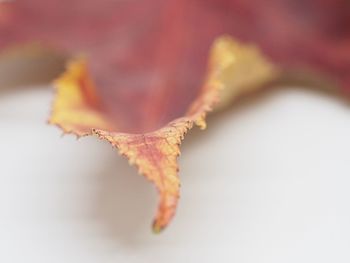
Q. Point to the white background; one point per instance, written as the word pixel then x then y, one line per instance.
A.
pixel 267 182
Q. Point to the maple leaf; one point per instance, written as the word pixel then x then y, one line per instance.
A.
pixel 141 73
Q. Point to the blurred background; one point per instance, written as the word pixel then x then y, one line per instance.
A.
pixel 267 182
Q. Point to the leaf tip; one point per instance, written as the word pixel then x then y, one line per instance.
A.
pixel 157 228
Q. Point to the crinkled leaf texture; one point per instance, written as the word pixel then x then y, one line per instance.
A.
pixel 141 73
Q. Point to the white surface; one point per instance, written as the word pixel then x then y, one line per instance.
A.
pixel 267 182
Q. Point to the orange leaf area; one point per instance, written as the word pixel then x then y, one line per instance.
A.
pixel 76 109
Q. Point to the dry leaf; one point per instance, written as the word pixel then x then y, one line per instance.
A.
pixel 141 73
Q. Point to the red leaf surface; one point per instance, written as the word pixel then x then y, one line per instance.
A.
pixel 141 73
